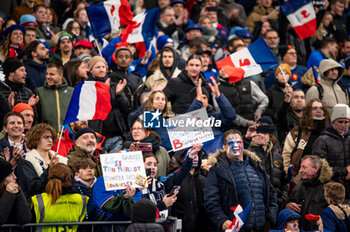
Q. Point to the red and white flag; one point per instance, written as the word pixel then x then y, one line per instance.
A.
pixel 301 15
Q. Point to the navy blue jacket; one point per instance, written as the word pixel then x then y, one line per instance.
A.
pixel 36 74
pixel 220 193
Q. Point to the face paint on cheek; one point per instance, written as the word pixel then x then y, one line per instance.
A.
pixel 195 160
pixel 235 145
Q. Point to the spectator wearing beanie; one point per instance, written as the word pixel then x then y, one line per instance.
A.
pixel 333 145
pixel 143 217
pixel 15 77
pixel 28 113
pixel 13 205
pixel 97 69
pixel 278 90
pixel 289 56
pixel 64 51
pixel 82 47
pixel 85 147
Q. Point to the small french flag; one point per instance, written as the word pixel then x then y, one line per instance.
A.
pixel 254 59
pixel 301 15
pixel 240 216
pixel 106 17
pixel 90 100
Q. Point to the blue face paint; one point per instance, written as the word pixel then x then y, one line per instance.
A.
pixel 235 145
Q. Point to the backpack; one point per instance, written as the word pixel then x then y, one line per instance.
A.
pixel 321 93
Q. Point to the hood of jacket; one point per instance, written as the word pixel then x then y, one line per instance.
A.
pixel 173 67
pixel 214 157
pixel 328 64
pixel 338 212
pixel 325 174
pixel 32 63
pixel 330 131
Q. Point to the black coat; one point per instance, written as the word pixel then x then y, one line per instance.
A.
pixel 276 96
pixel 14 209
pixel 336 150
pixel 189 205
pixel 181 91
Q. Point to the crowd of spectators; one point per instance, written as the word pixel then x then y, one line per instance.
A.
pixel 282 147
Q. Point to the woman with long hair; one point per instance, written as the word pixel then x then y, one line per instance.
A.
pixel 13 205
pixel 60 203
pixel 141 135
pixel 299 140
pixel 75 71
pixel 13 45
pixel 33 168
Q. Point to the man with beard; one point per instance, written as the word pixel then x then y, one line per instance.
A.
pixel 168 68
pixel 65 51
pixel 68 136
pixel 35 64
pixel 85 148
pixel 290 112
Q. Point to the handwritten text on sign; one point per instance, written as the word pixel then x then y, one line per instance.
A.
pixel 193 127
pixel 121 169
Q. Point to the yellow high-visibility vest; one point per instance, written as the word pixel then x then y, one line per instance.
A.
pixel 68 208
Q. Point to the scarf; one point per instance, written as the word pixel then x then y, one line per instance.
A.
pixel 15 50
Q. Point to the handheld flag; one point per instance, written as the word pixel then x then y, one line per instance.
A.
pixel 253 59
pixel 142 30
pixel 240 216
pixel 106 17
pixel 301 15
pixel 90 101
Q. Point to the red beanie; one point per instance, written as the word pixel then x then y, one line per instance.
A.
pixel 21 107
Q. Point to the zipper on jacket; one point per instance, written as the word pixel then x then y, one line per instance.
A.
pixel 58 109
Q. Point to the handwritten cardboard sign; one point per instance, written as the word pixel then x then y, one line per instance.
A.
pixel 121 169
pixel 187 129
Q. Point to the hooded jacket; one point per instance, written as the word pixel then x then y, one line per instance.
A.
pixel 333 218
pixel 336 150
pixel 53 103
pixel 309 193
pixel 332 92
pixel 182 90
pixel 36 73
pixel 221 194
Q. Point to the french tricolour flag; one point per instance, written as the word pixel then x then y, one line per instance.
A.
pixel 240 216
pixel 142 30
pixel 90 101
pixel 254 59
pixel 301 15
pixel 106 17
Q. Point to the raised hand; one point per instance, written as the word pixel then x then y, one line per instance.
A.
pixel 33 100
pixel 120 87
pixel 214 87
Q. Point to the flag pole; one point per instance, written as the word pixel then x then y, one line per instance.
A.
pixel 284 76
pixel 59 139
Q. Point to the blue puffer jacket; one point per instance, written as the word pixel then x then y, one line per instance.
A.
pixel 221 194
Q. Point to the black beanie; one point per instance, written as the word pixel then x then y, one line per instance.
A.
pixel 144 211
pixel 6 169
pixel 83 131
pixel 11 65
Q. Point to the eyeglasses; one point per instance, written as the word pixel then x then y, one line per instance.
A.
pixel 137 129
pixel 47 137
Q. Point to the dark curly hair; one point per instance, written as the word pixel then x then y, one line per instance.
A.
pixel 35 133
